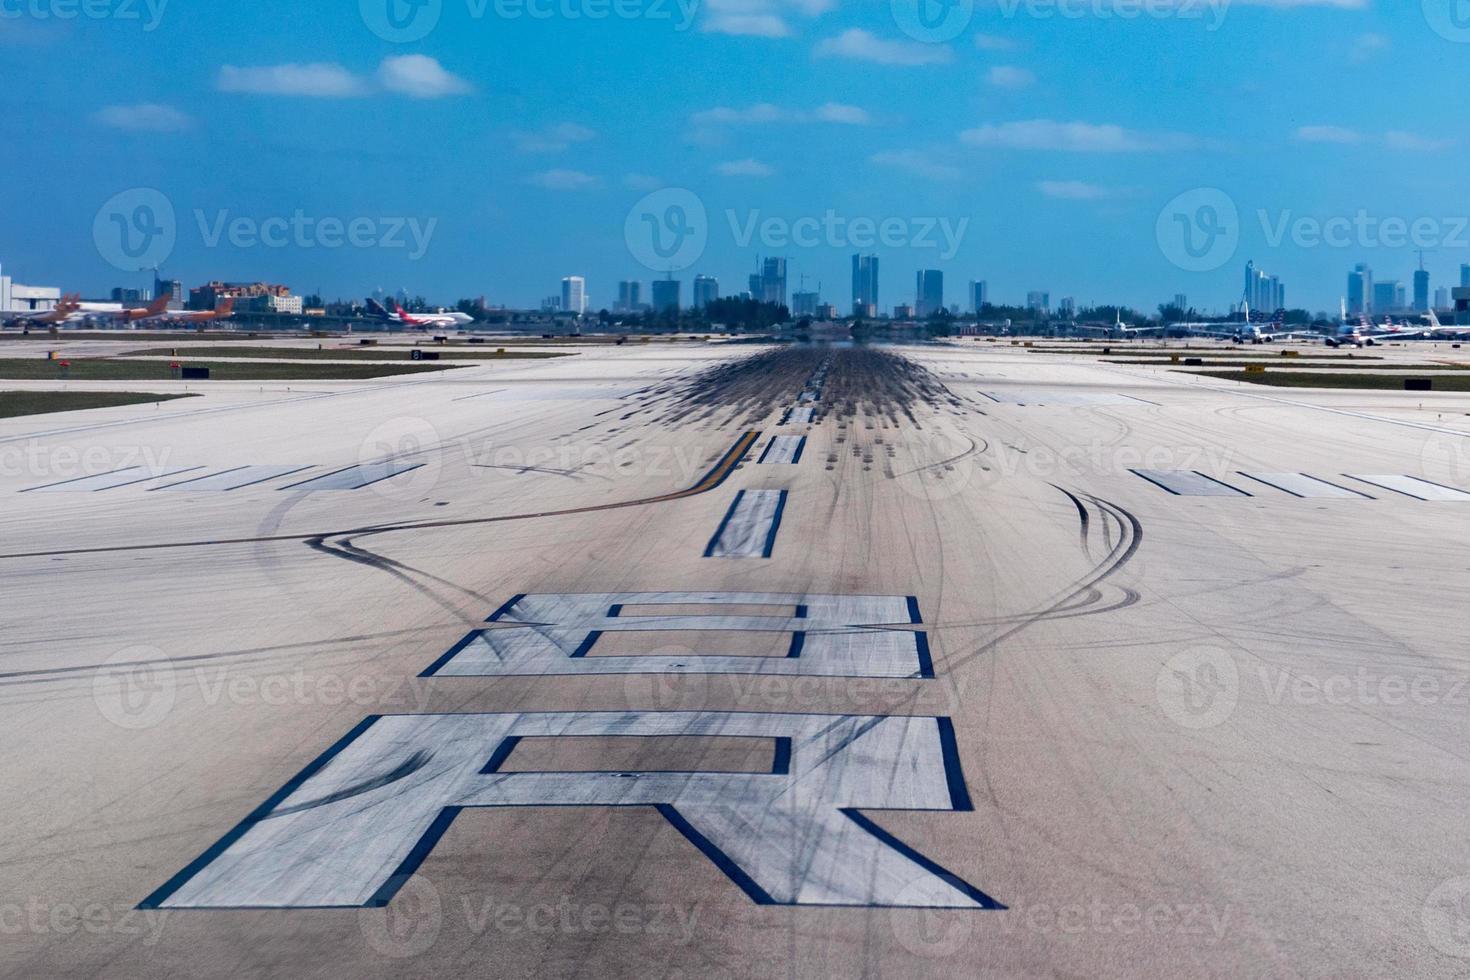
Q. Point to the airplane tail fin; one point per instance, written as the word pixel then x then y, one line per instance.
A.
pixel 376 308
pixel 160 305
pixel 226 306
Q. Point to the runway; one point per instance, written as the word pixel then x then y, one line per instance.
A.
pixel 703 660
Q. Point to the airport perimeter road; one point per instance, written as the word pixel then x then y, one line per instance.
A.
pixel 696 661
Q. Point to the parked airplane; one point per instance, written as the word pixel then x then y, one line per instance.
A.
pixel 65 307
pixel 1364 334
pixel 1437 329
pixel 422 321
pixel 116 314
pixel 223 311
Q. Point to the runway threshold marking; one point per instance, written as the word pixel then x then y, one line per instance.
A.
pixel 354 477
pixel 750 526
pixel 1413 486
pixel 110 481
pixel 1189 483
pixel 712 480
pixel 232 479
pixel 784 449
pixel 831 636
pixel 352 828
pixel 798 416
pixel 1306 486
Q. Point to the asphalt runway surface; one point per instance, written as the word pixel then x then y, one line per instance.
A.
pixel 994 663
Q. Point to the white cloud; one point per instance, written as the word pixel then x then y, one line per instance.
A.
pixel 918 163
pixel 1073 190
pixel 1367 46
pixel 1328 134
pixel 859 45
pixel 413 75
pixel 564 180
pixel 759 18
pixel 1072 137
pixel 1009 76
pixel 320 80
pixel 420 77
pixel 1398 139
pixel 763 113
pixel 744 168
pixel 994 42
pixel 552 139
pixel 642 182
pixel 145 117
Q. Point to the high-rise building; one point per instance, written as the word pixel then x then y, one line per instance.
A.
pixel 756 286
pixel 1465 276
pixel 1181 301
pixel 171 288
pixel 1038 301
pixel 666 295
pixel 864 284
pixel 1360 290
pixel 1442 299
pixel 630 296
pixel 1421 290
pixel 805 303
pixel 928 293
pixel 126 295
pixel 1387 296
pixel 772 282
pixel 706 291
pixel 1067 308
pixel 1262 291
pixel 574 295
pixel 979 294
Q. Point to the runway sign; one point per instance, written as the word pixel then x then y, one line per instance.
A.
pixel 351 829
pixel 831 636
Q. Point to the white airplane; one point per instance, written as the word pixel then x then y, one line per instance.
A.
pixel 1365 334
pixel 1437 329
pixel 1247 332
pixel 421 320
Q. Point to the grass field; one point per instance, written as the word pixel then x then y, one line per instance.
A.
pixel 108 369
pixel 1322 379
pixel 16 403
pixel 343 353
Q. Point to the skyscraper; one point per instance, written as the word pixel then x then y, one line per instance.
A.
pixel 666 295
pixel 1421 290
pixel 574 295
pixel 1387 295
pixel 1360 290
pixel 864 284
pixel 1442 299
pixel 173 289
pixel 979 294
pixel 928 293
pixel 706 291
pixel 1038 301
pixel 1262 291
pixel 805 302
pixel 630 296
pixel 773 282
pixel 1465 276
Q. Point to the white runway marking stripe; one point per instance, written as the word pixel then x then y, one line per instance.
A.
pixel 353 827
pixel 749 529
pixel 1190 483
pixel 1412 486
pixel 799 416
pixel 784 449
pixel 235 479
pixel 110 481
pixel 1309 487
pixel 354 477
pixel 831 636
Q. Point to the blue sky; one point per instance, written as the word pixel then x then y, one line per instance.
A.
pixel 1048 146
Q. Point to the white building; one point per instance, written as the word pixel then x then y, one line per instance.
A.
pixel 574 295
pixel 15 298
